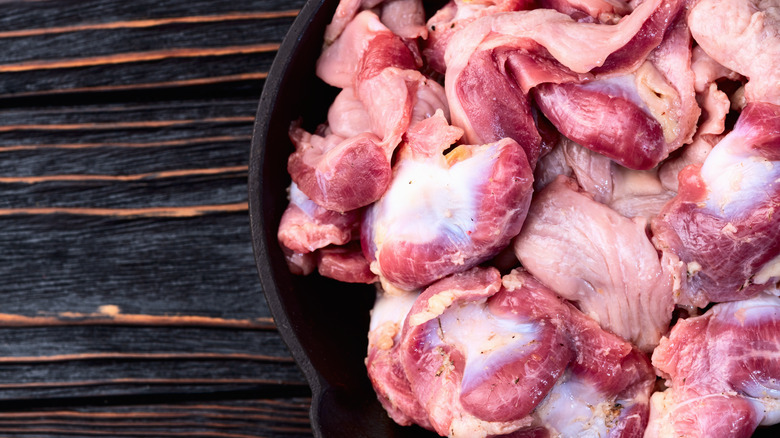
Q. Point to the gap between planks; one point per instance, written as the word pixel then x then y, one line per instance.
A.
pixel 256 76
pixel 123 178
pixel 111 318
pixel 124 125
pixel 145 212
pixel 188 434
pixel 125 58
pixel 134 24
pixel 151 144
pixel 151 381
pixel 144 356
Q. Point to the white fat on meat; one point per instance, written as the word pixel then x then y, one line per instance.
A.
pixel 444 214
pixel 574 408
pixel 387 316
pixel 736 178
pixel 425 199
pixel 484 344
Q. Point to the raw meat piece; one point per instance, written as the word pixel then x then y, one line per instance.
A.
pixel 453 17
pixel 345 263
pixel 336 173
pixel 344 168
pixel 715 107
pixel 714 102
pixel 383 361
pixel 580 47
pixel 493 107
pixel 347 117
pixel 592 170
pixel 551 165
pixel 311 237
pixel 445 213
pixel 632 193
pixel 722 369
pixel 590 254
pixel 723 225
pixel 692 154
pixel 406 18
pixel 743 35
pixel 590 11
pixel 487 356
pixel 300 263
pixel 635 119
pixel 638 193
pixel 494 62
pixel 306 227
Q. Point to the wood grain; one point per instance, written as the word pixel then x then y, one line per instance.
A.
pixel 107 45
pixel 131 305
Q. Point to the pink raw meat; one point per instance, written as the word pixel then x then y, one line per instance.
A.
pixel 445 213
pixel 383 362
pixel 590 11
pixel 743 35
pixel 590 254
pixel 722 370
pixel 306 227
pixel 453 17
pixel 343 168
pixel 487 356
pixel 632 193
pixel 496 60
pixel 345 263
pixel 405 18
pixel 636 119
pixel 723 224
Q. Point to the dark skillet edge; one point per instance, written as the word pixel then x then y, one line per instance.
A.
pixel 324 323
pixel 258 199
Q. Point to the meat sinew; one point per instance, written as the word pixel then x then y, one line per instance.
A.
pixel 590 254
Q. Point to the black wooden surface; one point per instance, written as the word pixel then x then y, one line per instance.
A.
pixel 129 300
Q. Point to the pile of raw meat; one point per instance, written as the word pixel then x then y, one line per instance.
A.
pixel 560 201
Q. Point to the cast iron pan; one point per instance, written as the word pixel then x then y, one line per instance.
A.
pixel 323 322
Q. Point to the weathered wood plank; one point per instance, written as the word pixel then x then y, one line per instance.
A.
pixel 252 418
pixel 178 266
pixel 87 342
pixel 168 197
pixel 104 115
pixel 20 14
pixel 110 46
pixel 133 41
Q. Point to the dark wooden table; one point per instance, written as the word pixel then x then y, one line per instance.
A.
pixel 129 300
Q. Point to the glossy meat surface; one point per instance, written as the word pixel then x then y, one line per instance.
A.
pixel 721 369
pixel 723 225
pixel 533 365
pixel 446 213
